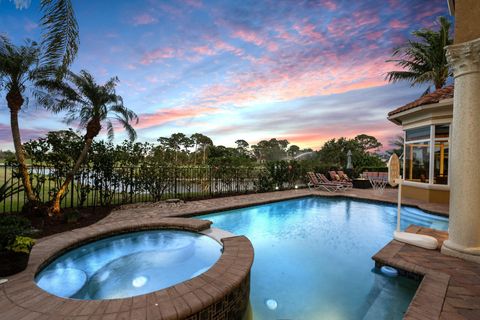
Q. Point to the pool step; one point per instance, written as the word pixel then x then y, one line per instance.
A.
pixel 385 298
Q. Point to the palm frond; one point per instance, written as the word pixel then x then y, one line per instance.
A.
pixel 61 33
pixel 423 60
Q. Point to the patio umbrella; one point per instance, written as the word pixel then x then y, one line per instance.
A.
pixel 349 160
pixel 394 179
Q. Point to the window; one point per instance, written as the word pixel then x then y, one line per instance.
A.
pixel 441 162
pixel 440 158
pixel 426 154
pixel 442 131
pixel 417 161
pixel 422 133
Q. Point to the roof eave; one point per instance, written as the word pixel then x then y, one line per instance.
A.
pixel 396 118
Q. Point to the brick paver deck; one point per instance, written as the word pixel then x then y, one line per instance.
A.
pixel 192 208
pixel 443 291
pixel 221 292
pixel 450 288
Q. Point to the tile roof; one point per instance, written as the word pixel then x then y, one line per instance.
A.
pixel 434 97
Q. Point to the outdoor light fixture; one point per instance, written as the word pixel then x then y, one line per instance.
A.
pixel 139 281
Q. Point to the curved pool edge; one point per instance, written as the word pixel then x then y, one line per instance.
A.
pixel 225 284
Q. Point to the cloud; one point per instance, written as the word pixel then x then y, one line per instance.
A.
pixel 397 24
pixel 30 26
pixel 144 19
pixel 254 38
pixel 26 134
pixel 158 54
pixel 164 116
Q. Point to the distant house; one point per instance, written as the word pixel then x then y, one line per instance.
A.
pixel 426 123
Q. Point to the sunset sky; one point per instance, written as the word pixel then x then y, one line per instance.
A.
pixel 305 71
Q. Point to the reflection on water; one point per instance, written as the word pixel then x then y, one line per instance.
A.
pixel 129 265
pixel 313 258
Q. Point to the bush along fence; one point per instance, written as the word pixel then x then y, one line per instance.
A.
pixel 144 183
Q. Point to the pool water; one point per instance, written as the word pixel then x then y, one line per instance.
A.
pixel 313 257
pixel 129 264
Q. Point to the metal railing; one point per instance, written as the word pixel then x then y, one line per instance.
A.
pixel 124 185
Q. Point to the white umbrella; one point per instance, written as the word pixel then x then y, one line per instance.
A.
pixel 349 160
pixel 394 179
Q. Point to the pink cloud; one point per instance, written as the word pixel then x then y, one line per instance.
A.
pixel 341 27
pixel 374 35
pixel 248 36
pixel 224 46
pixel 144 19
pixel 308 30
pixel 330 5
pixel 316 137
pixel 204 50
pixel 397 24
pixel 158 54
pixel 152 79
pixel 255 38
pixel 164 116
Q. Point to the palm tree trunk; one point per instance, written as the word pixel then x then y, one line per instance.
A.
pixel 93 129
pixel 55 206
pixel 15 101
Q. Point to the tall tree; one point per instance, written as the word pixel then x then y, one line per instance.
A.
pixel 293 150
pixel 423 60
pixel 22 66
pixel 368 143
pixel 91 105
pixel 175 143
pixel 397 144
pixel 201 141
pixel 19 66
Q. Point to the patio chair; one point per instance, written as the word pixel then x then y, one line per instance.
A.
pixel 378 180
pixel 343 176
pixel 345 184
pixel 316 184
pixel 334 176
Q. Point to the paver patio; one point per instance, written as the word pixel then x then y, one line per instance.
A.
pixel 450 288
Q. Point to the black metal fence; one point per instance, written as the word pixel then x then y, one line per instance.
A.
pixel 123 185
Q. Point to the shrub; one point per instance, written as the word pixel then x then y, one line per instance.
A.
pixel 12 226
pixel 21 244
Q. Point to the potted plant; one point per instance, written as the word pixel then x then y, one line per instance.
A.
pixel 15 245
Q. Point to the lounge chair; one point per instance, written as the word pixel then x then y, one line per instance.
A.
pixel 343 176
pixel 378 180
pixel 345 184
pixel 327 186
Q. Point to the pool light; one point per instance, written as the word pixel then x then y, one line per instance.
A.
pixel 139 281
pixel 271 304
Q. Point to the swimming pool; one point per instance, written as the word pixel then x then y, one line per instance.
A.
pixel 313 257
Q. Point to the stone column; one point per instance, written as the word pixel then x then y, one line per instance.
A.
pixel 464 175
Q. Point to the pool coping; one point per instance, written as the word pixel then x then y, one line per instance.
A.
pixel 450 287
pixel 216 205
pixel 130 217
pixel 20 297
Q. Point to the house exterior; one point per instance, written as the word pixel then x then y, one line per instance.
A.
pixel 426 123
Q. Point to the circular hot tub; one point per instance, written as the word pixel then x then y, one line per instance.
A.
pixel 129 264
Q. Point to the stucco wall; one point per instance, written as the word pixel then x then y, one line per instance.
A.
pixel 429 195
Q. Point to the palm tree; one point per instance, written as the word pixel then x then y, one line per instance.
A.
pixel 19 66
pixel 90 105
pixel 424 61
pixel 22 66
